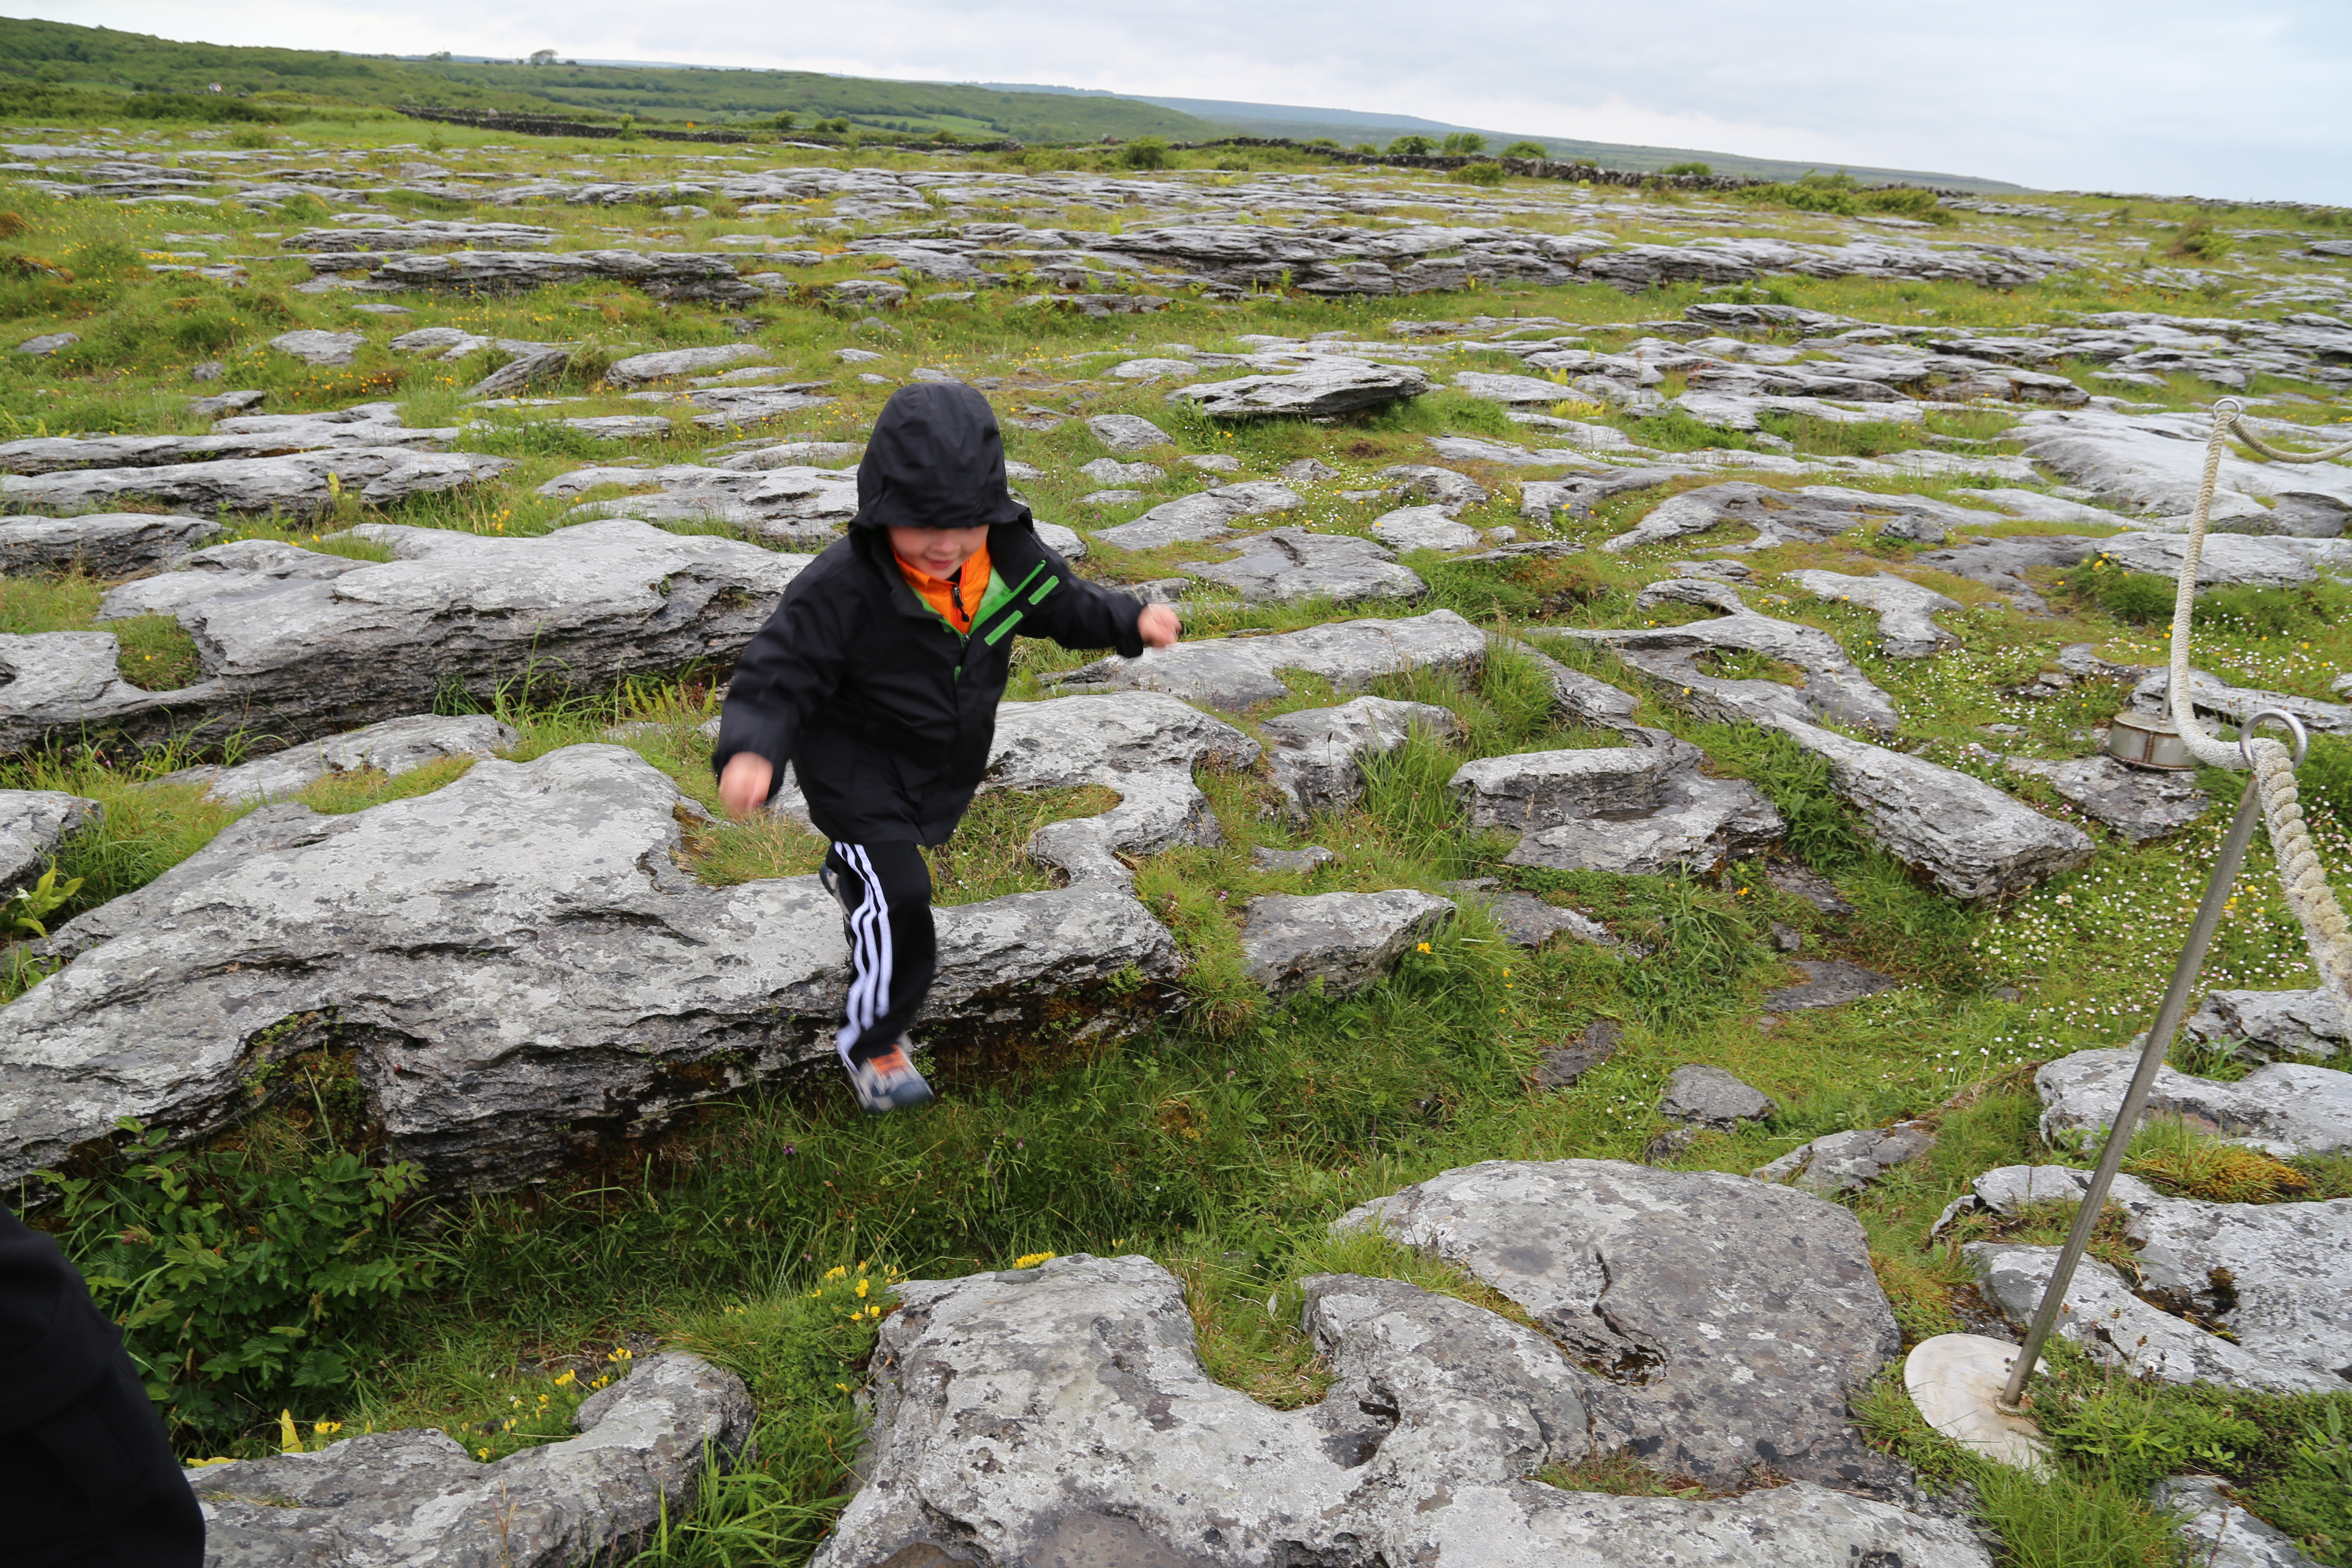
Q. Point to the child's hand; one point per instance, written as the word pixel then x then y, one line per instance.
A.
pixel 744 783
pixel 1157 625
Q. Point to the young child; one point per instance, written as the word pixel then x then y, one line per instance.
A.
pixel 877 679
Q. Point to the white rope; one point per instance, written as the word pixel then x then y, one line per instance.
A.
pixel 2325 930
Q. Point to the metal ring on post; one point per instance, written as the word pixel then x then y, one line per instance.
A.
pixel 2295 727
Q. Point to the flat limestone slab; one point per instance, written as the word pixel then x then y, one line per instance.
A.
pixel 1060 1415
pixel 395 746
pixel 1233 672
pixel 2285 1109
pixel 416 1497
pixel 297 644
pixel 522 966
pixel 1717 1323
pixel 111 544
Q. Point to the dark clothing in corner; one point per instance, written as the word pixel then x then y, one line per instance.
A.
pixel 86 1475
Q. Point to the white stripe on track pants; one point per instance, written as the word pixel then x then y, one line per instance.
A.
pixel 885 891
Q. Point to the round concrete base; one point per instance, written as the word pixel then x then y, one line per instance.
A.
pixel 1956 1380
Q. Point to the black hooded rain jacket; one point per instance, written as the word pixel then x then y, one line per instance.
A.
pixel 884 711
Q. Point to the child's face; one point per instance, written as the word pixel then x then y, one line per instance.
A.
pixel 940 551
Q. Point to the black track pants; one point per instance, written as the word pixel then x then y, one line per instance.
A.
pixel 885 900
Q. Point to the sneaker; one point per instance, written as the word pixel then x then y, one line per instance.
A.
pixel 887 1080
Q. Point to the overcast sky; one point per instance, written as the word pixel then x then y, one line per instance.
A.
pixel 2252 100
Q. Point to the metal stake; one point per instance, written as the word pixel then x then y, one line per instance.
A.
pixel 2151 1057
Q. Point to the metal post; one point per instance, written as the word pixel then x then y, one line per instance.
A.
pixel 2151 1057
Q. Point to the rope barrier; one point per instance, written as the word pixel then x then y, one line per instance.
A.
pixel 2326 932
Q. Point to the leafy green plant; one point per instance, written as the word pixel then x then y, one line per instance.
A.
pixel 1527 150
pixel 1462 144
pixel 1487 175
pixel 1415 145
pixel 239 1287
pixel 27 908
pixel 1691 168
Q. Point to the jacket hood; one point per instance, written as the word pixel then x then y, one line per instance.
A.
pixel 936 459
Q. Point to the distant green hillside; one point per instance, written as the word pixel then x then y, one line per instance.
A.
pixel 60 54
pixel 1352 128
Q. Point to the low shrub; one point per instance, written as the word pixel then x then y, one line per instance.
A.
pixel 239 1286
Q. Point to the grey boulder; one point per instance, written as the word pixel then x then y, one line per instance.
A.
pixel 2222 1532
pixel 665 274
pixel 416 1498
pixel 1525 921
pixel 1828 983
pixel 110 544
pixel 1715 1323
pixel 1326 387
pixel 301 484
pixel 1315 763
pixel 1782 517
pixel 2285 1109
pixel 792 505
pixel 393 747
pixel 1422 528
pixel 519 964
pixel 1712 1097
pixel 1679 663
pixel 1638 810
pixel 1285 563
pixel 1848 1162
pixel 320 348
pixel 1235 671
pixel 1201 517
pixel 1344 941
pixel 2264 1025
pixel 1127 434
pixel 2140 805
pixel 1973 841
pixel 641 370
pixel 298 644
pixel 2214 699
pixel 34 824
pixel 1061 1416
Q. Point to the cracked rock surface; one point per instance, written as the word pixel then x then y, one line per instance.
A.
pixel 395 746
pixel 1143 744
pixel 297 644
pixel 2270 1276
pixel 1346 940
pixel 2285 1109
pixel 1315 763
pixel 416 1499
pixel 520 963
pixel 1060 1416
pixel 1639 810
pixel 1235 671
pixel 111 544
pixel 1716 1323
pixel 2138 804
pixel 1905 610
pixel 1297 563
